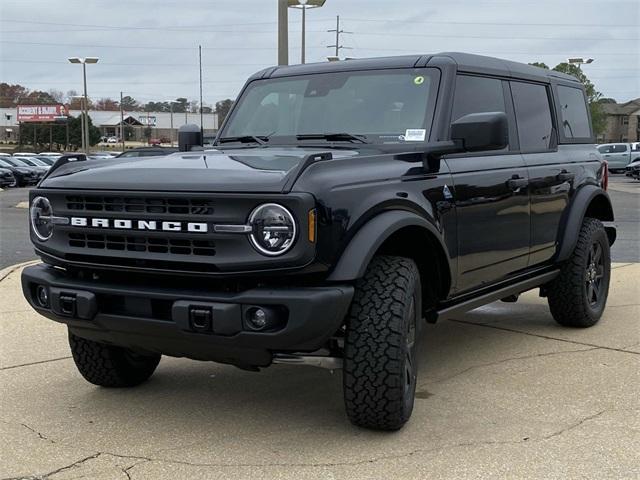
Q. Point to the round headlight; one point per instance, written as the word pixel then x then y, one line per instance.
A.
pixel 274 229
pixel 41 215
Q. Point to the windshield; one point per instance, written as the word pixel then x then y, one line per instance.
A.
pixel 14 162
pixel 380 106
pixel 28 161
pixel 5 164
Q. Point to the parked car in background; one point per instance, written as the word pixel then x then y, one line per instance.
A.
pixel 102 155
pixel 633 169
pixel 154 141
pixel 113 140
pixel 7 179
pixel 33 162
pixel 618 155
pixel 147 152
pixel 5 155
pixel 24 154
pixel 50 154
pixel 24 174
pixel 47 159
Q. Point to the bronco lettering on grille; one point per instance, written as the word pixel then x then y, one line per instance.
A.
pixel 124 224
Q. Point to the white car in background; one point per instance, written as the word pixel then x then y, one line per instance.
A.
pixel 50 154
pixel 24 154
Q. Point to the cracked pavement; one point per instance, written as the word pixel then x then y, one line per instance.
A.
pixel 502 392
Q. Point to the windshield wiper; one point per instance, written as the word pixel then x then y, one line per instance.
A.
pixel 260 140
pixel 336 137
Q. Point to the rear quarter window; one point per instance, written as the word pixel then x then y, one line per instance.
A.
pixel 574 117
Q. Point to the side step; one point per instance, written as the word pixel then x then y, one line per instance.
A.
pixel 453 307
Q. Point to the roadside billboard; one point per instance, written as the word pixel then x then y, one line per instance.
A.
pixel 41 113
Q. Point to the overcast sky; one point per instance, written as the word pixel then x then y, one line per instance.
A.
pixel 148 48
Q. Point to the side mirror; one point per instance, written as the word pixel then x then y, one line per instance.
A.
pixel 481 131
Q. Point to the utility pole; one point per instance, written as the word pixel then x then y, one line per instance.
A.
pixel 201 117
pixel 338 32
pixel 283 32
pixel 121 122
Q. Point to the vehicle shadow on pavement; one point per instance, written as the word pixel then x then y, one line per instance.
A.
pixel 197 395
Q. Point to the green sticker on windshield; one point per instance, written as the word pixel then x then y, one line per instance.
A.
pixel 419 80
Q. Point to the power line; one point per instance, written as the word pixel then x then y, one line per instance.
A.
pixel 136 47
pixel 510 24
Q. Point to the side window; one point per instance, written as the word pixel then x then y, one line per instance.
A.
pixel 573 109
pixel 477 95
pixel 619 148
pixel 533 116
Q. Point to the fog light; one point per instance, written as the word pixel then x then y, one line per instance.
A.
pixel 42 294
pixel 257 318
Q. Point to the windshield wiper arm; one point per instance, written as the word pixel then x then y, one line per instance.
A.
pixel 333 137
pixel 244 139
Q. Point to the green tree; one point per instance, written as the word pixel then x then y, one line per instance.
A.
pixel 222 109
pixel 129 103
pixel 10 95
pixel 181 105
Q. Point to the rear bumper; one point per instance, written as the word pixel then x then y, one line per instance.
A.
pixel 163 319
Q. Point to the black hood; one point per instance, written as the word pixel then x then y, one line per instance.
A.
pixel 259 169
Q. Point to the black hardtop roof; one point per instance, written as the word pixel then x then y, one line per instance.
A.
pixel 465 62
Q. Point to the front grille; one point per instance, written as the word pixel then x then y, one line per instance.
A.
pixel 178 205
pixel 141 243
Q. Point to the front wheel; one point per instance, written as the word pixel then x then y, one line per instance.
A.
pixel 109 365
pixel 380 364
pixel 578 295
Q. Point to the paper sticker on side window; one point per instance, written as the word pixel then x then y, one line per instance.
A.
pixel 415 135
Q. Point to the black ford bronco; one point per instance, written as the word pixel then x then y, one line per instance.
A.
pixel 341 207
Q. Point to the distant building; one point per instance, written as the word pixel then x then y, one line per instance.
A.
pixel 136 122
pixel 622 122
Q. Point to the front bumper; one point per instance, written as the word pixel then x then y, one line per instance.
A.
pixel 161 320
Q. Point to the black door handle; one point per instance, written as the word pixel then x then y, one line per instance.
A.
pixel 565 176
pixel 516 182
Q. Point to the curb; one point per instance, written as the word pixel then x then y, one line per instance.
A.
pixel 5 272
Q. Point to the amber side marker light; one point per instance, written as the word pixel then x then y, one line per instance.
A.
pixel 312 225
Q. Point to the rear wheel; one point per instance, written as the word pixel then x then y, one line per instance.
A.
pixel 380 361
pixel 111 366
pixel 577 297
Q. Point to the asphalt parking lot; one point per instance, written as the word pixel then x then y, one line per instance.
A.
pixel 503 392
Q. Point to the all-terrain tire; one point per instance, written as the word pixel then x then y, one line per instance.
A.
pixel 577 296
pixel 111 366
pixel 380 363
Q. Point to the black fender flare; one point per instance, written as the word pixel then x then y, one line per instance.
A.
pixel 365 243
pixel 568 236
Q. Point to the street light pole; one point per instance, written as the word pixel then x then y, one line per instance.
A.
pixel 85 110
pixel 304 21
pixel 122 122
pixel 304 5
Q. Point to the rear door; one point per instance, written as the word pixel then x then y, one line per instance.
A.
pixel 551 173
pixel 490 192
